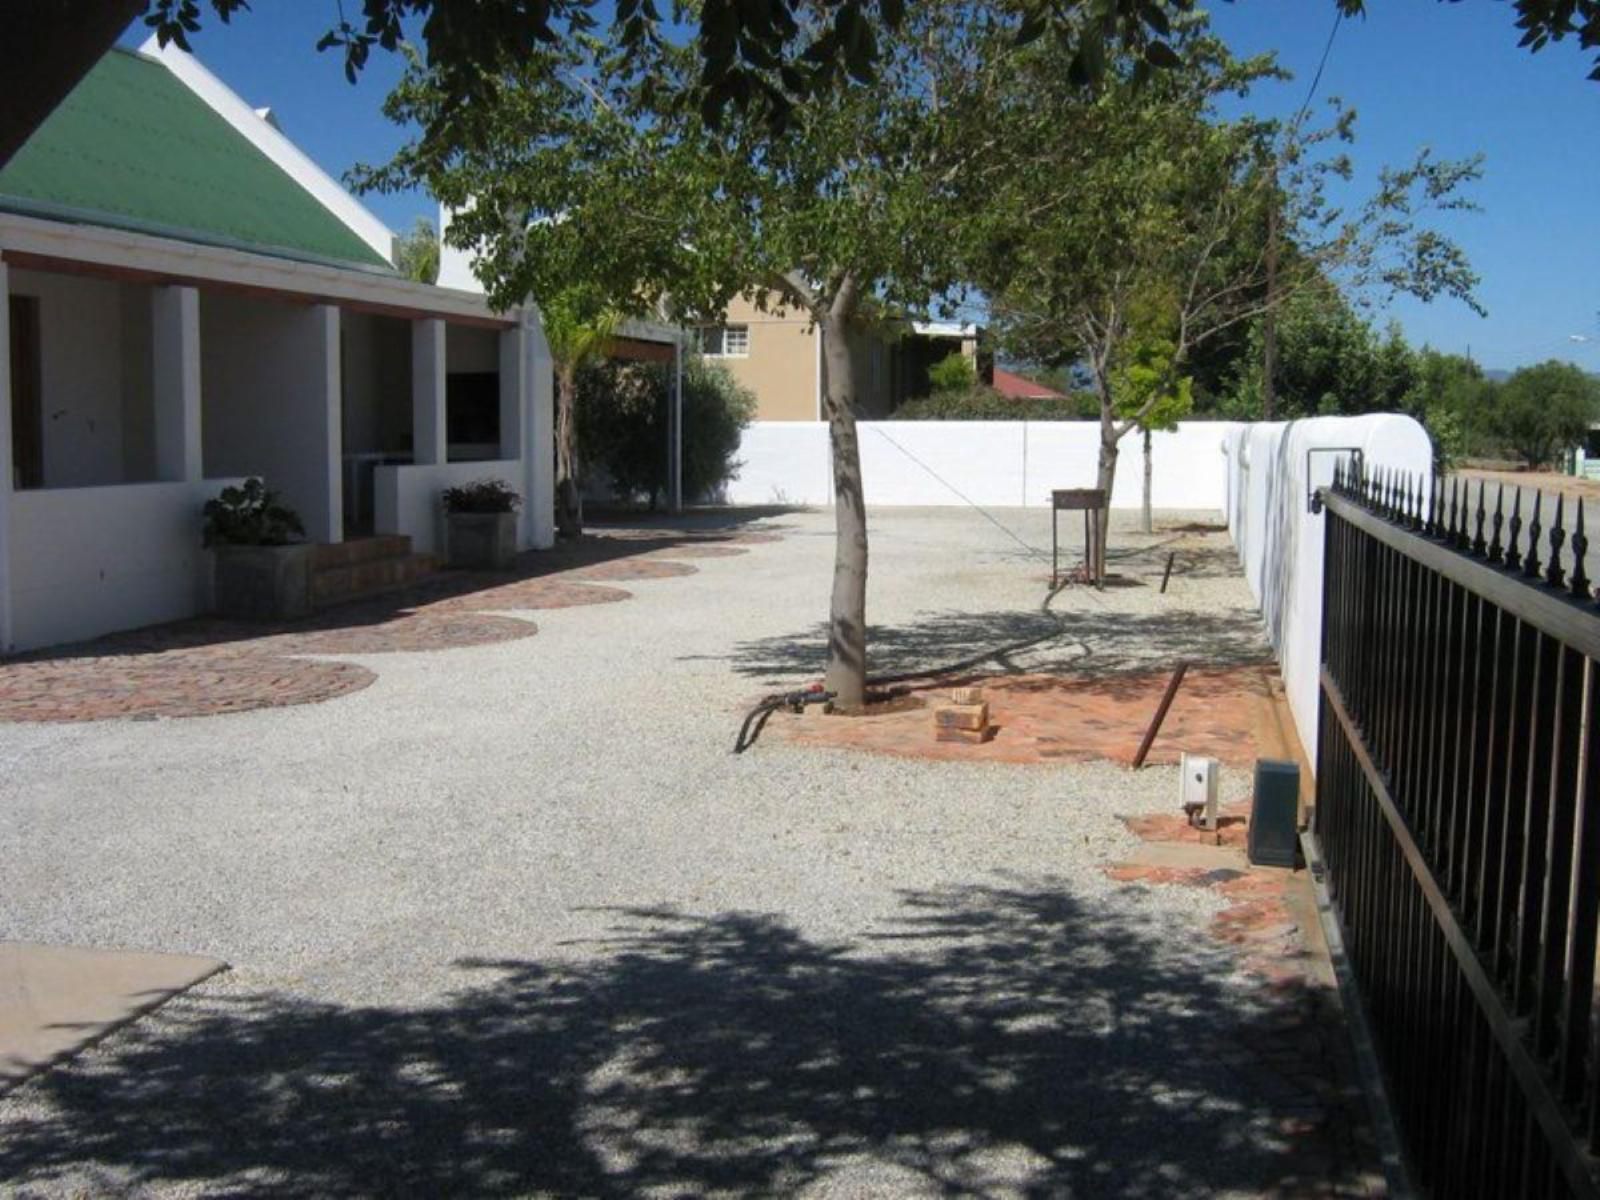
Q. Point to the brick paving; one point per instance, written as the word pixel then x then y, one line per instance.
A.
pixel 209 666
pixel 1300 1055
pixel 187 683
pixel 1073 718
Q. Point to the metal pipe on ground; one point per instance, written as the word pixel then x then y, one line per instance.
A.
pixel 1161 715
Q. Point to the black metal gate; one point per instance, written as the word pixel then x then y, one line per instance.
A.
pixel 1458 820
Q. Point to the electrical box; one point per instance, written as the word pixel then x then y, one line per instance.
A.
pixel 1275 814
pixel 1197 790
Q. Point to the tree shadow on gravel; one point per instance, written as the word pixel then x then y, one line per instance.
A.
pixel 1068 643
pixel 1004 1040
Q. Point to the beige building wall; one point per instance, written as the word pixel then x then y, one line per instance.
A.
pixel 780 365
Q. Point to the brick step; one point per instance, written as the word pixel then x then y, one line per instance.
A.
pixel 361 580
pixel 331 556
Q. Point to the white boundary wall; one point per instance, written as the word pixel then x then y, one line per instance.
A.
pixel 100 559
pixel 1269 481
pixel 993 463
pixel 1257 474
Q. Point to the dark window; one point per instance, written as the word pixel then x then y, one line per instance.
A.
pixel 472 407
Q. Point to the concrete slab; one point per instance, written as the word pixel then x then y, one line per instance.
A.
pixel 55 1000
pixel 1191 854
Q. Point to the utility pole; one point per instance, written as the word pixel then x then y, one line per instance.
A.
pixel 1269 326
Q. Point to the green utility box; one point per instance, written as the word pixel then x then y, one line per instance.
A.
pixel 1275 814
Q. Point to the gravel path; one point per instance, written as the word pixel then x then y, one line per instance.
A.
pixel 512 920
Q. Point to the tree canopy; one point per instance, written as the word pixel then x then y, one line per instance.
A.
pixel 593 167
pixel 1544 409
pixel 416 253
pixel 1142 219
pixel 767 56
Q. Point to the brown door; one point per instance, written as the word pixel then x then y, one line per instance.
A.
pixel 27 404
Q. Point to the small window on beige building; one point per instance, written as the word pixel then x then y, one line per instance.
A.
pixel 725 341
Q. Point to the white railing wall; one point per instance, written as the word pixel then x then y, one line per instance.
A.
pixel 406 499
pixel 1271 471
pixel 90 561
pixel 993 463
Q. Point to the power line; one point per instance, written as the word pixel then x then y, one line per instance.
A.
pixel 1338 19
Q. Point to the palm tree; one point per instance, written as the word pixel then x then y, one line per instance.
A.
pixel 578 331
pixel 416 254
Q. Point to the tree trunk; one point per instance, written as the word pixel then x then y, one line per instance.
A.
pixel 1146 523
pixel 48 47
pixel 569 521
pixel 847 613
pixel 1107 475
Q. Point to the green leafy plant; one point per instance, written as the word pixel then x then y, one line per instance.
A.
pixel 416 254
pixel 579 328
pixel 481 496
pixel 622 413
pixel 250 515
pixel 952 373
pixel 1544 409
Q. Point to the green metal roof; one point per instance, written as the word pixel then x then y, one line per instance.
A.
pixel 132 147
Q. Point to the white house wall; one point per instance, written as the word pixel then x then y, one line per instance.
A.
pixel 138 393
pixel 265 377
pixel 81 376
pixel 376 353
pixel 992 463
pixel 469 349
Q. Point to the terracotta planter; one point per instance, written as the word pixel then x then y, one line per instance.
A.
pixel 482 541
pixel 263 583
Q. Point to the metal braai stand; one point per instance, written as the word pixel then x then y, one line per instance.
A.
pixel 1091 502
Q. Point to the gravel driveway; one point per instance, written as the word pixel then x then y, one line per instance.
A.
pixel 513 920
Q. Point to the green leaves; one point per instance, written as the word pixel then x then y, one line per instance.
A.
pixel 1543 409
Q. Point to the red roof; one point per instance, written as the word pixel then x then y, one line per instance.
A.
pixel 1015 387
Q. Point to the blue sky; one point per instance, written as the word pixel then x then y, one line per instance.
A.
pixel 1420 73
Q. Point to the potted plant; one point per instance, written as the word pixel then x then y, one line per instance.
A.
pixel 482 524
pixel 263 563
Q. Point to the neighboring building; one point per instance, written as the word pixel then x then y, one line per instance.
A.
pixel 1017 387
pixel 192 301
pixel 777 354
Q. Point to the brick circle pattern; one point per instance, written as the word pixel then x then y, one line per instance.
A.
pixel 176 685
pixel 207 667
pixel 414 632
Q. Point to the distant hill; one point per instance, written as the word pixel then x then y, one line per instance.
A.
pixel 1500 374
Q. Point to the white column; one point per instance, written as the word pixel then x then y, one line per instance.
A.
pixel 513 389
pixel 539 437
pixel 513 411
pixel 176 359
pixel 325 519
pixel 430 442
pixel 675 431
pixel 7 470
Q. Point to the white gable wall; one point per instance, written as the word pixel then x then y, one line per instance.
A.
pixel 455 266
